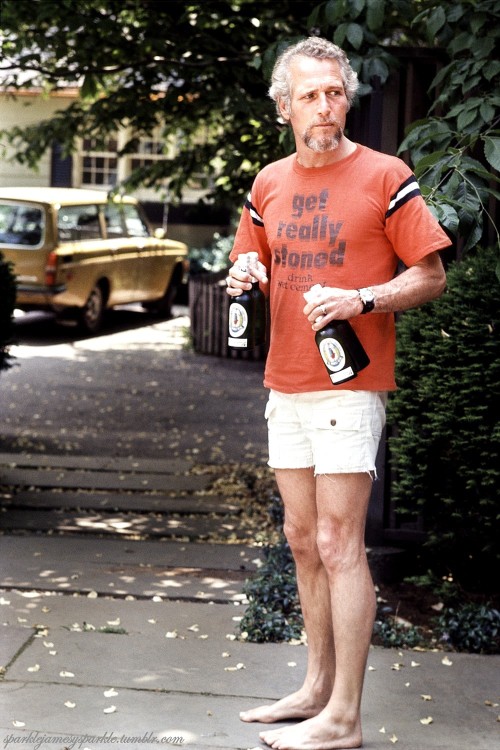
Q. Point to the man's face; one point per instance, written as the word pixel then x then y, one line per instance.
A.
pixel 319 105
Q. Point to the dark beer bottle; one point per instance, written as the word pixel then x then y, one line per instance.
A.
pixel 247 311
pixel 340 349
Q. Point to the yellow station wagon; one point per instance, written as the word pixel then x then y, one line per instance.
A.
pixel 75 251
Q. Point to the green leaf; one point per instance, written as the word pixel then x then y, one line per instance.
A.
pixel 375 14
pixel 334 10
pixel 436 21
pixel 492 151
pixel 466 117
pixel 487 112
pixel 355 34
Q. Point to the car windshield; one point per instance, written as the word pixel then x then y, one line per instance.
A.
pixel 21 225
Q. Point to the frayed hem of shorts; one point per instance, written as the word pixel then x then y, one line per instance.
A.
pixel 372 473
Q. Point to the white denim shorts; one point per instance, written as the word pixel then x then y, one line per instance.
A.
pixel 336 432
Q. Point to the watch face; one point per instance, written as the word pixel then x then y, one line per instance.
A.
pixel 366 295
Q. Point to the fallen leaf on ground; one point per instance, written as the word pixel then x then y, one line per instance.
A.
pixel 234 669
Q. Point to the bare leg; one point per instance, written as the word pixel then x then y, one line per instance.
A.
pixel 342 501
pixel 298 490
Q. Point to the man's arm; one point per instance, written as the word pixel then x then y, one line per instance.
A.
pixel 418 284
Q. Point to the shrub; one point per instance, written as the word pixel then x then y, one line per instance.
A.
pixel 213 258
pixel 474 628
pixel 446 447
pixel 7 303
pixel 273 612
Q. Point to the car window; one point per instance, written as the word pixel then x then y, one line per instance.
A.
pixel 136 226
pixel 78 223
pixel 115 225
pixel 21 225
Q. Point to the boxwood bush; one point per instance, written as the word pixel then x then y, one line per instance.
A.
pixel 7 303
pixel 446 446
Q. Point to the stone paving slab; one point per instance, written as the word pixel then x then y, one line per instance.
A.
pixel 171 570
pixel 34 554
pixel 132 524
pixel 102 480
pixel 125 502
pixel 102 463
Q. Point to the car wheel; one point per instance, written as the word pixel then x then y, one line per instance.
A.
pixel 92 314
pixel 163 306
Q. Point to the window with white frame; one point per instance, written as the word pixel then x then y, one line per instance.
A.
pixel 99 163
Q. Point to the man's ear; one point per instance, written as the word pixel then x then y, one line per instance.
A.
pixel 285 114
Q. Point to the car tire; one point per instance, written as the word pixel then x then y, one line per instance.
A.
pixel 92 313
pixel 163 307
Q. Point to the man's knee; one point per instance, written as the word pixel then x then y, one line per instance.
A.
pixel 302 541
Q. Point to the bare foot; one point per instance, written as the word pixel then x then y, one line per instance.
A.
pixel 299 705
pixel 322 732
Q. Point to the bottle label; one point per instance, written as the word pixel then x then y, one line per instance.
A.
pixel 339 377
pixel 238 320
pixel 333 354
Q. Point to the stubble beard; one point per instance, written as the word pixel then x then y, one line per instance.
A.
pixel 326 142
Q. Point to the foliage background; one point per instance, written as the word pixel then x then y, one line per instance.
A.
pixel 200 71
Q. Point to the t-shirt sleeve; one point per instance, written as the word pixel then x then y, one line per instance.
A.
pixel 410 226
pixel 251 235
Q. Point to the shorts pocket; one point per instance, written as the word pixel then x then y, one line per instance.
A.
pixel 342 421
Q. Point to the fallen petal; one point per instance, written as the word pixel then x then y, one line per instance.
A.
pixel 415 664
pixel 427 721
pixel 393 739
pixel 66 674
pixel 447 662
pixel 110 693
pixel 110 710
pixel 426 697
pixel 18 723
pixel 35 668
pixel 70 704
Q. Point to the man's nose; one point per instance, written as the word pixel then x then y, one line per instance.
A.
pixel 323 104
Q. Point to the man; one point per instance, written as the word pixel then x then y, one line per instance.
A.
pixel 340 215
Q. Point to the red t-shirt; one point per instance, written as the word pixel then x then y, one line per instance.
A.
pixel 346 225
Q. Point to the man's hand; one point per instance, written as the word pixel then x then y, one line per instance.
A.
pixel 238 280
pixel 326 303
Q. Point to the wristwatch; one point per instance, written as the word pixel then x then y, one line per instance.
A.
pixel 368 299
